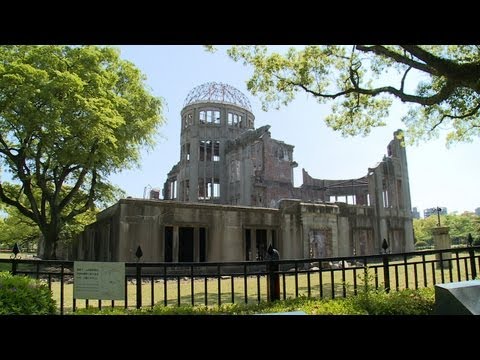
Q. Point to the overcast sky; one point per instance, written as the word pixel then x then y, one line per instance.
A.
pixel 438 176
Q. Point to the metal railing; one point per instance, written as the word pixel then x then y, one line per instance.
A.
pixel 149 284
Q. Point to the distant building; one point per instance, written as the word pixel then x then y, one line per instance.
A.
pixel 415 213
pixel 433 211
pixel 477 211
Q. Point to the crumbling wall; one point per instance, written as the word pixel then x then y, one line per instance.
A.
pixel 384 193
pixel 260 169
pixel 353 191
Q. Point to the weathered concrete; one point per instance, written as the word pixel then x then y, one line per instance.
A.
pixel 297 229
pixel 441 240
pixel 458 298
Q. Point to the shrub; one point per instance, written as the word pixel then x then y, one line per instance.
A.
pixel 421 244
pixel 374 302
pixel 404 302
pixel 21 295
pixel 476 242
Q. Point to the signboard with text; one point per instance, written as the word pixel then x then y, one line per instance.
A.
pixel 99 280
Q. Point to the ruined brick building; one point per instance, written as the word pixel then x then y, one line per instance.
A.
pixel 231 194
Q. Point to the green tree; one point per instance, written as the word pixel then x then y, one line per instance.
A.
pixel 362 80
pixel 69 117
pixel 460 226
pixel 17 228
pixel 422 229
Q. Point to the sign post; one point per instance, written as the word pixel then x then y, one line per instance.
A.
pixel 99 280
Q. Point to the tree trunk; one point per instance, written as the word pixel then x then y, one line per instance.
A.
pixel 50 238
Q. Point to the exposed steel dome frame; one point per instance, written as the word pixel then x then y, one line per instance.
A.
pixel 217 92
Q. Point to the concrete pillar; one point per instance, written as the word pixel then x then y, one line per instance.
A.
pixel 441 240
pixel 409 242
pixel 305 251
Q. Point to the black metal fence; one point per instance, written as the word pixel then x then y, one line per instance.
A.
pixel 148 284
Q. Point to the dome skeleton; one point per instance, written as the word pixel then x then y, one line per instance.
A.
pixel 217 92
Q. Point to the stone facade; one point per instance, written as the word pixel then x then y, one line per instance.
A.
pixel 181 231
pixel 232 194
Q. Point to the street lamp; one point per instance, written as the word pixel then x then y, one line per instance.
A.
pixel 438 214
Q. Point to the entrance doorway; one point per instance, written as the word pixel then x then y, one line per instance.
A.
pixel 261 235
pixel 185 244
pixel 168 244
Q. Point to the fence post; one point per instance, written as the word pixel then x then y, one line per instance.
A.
pixel 138 277
pixel 273 280
pixel 472 256
pixel 386 268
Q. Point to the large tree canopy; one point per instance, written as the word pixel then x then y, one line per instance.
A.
pixel 442 83
pixel 17 228
pixel 69 117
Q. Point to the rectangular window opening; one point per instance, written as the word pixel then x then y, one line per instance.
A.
pixel 216 189
pixel 385 199
pixel 208 149
pixel 216 151
pixel 201 189
pixel 213 188
pixel 202 149
pixel 342 199
pixel 216 116
pixel 202 117
pixel 173 189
